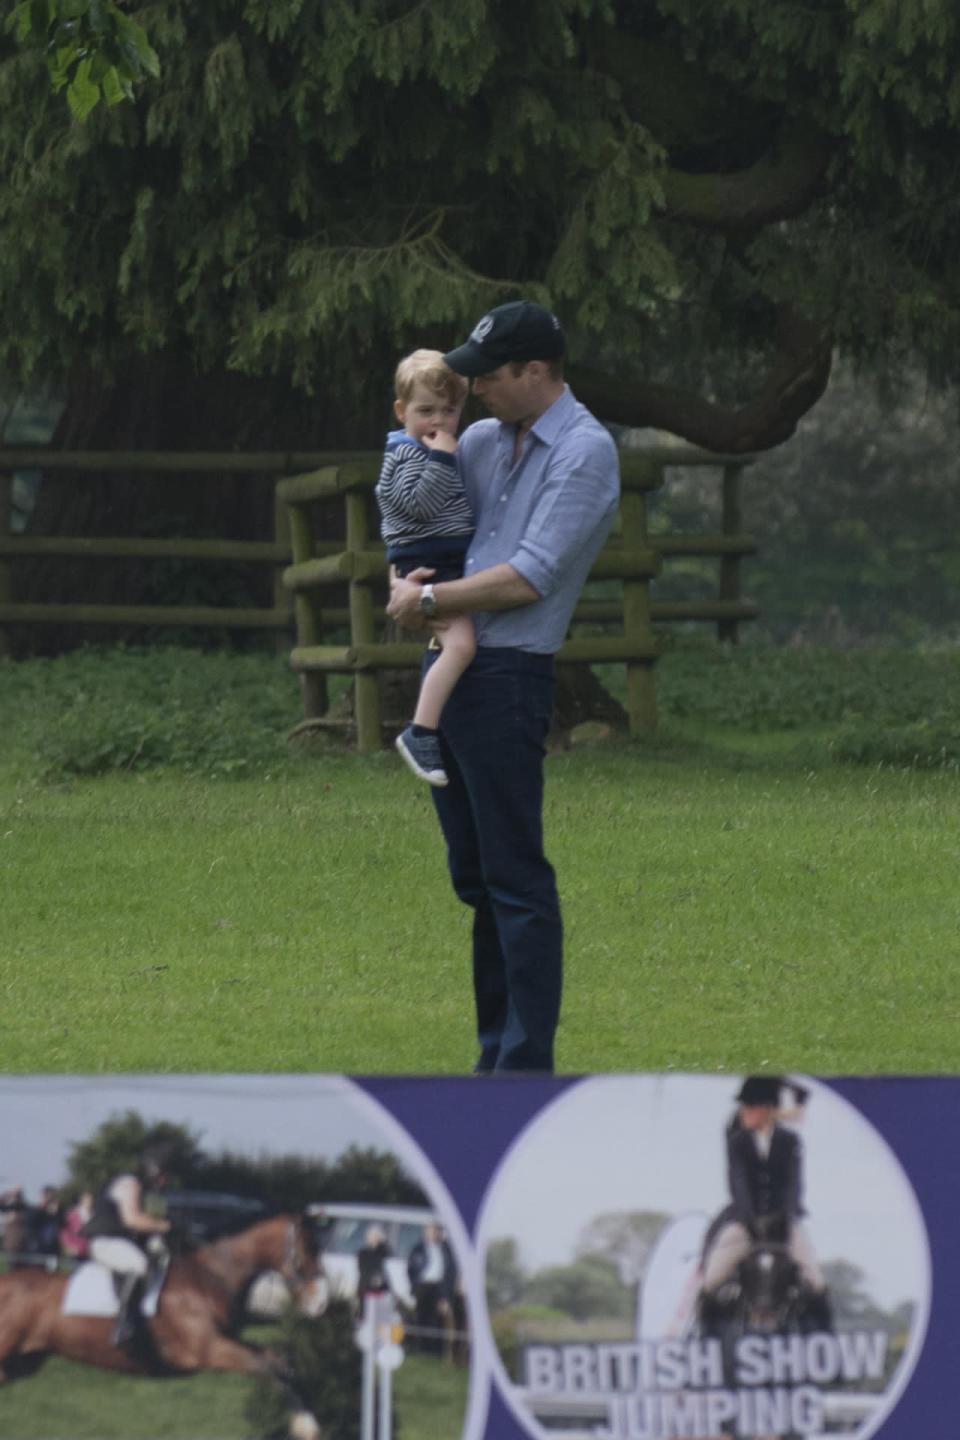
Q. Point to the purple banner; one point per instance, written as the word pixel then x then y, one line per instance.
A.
pixel 626 1257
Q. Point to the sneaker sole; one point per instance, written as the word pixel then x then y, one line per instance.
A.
pixel 432 777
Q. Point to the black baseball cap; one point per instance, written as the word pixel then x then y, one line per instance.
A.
pixel 520 330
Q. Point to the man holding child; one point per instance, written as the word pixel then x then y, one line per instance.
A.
pixel 542 480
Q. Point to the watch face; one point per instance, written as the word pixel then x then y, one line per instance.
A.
pixel 428 603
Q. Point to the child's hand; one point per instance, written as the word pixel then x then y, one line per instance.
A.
pixel 442 440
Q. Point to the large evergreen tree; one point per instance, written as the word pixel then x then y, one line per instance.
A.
pixel 310 185
pixel 716 198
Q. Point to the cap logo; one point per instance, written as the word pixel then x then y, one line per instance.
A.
pixel 482 329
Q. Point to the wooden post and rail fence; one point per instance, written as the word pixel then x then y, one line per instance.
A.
pixel 306 566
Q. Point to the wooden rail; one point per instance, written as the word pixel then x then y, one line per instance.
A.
pixel 632 557
pixel 306 564
pixel 274 552
pixel 729 608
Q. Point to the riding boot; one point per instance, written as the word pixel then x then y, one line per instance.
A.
pixel 715 1306
pixel 819 1316
pixel 126 1325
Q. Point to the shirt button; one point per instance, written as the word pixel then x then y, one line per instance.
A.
pixel 503 499
pixel 492 533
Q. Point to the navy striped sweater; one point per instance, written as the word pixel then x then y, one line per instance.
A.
pixel 420 493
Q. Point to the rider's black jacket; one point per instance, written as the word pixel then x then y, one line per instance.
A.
pixel 763 1185
pixel 106 1219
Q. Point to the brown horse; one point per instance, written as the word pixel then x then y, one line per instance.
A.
pixel 200 1308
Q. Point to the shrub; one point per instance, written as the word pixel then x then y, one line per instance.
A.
pixel 93 712
pixel 758 687
pixel 323 1356
pixel 925 745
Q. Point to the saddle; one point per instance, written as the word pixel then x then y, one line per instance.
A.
pixel 91 1291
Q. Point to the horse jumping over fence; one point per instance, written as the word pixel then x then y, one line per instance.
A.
pixel 198 1314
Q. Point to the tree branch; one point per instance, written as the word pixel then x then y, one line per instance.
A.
pixel 691 111
pixel 797 378
pixel 779 186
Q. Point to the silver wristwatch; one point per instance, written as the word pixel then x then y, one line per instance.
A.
pixel 428 601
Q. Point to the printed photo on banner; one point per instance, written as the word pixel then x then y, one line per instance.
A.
pixel 691 1257
pixel 206 1255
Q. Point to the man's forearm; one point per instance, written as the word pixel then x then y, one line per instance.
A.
pixel 499 587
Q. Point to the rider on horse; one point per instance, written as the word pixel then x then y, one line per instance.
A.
pixel 764 1166
pixel 121 1234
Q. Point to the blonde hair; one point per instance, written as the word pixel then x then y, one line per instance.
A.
pixel 426 367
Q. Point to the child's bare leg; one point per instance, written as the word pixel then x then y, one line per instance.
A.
pixel 458 646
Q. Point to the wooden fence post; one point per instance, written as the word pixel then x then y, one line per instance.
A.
pixel 6 529
pixel 641 694
pixel 730 564
pixel 282 599
pixel 366 687
pixel 313 683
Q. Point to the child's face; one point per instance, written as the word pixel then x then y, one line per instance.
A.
pixel 426 413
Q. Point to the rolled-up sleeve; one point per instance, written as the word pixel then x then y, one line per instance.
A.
pixel 578 496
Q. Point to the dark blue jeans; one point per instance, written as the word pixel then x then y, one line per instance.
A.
pixel 492 734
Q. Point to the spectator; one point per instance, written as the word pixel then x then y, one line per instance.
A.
pixel 14 1234
pixel 46 1224
pixel 72 1243
pixel 372 1277
pixel 432 1272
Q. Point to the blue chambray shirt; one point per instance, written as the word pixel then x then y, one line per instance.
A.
pixel 547 516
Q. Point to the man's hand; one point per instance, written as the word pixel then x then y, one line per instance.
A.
pixel 404 603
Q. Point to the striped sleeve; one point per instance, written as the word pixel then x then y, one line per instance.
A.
pixel 420 494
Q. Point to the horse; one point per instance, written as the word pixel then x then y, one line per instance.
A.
pixel 766 1295
pixel 200 1309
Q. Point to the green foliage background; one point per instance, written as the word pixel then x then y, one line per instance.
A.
pixel 226 716
pixel 306 180
pixel 284 1182
pixel 856 519
pixel 92 48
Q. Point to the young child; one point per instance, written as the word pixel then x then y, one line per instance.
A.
pixel 426 521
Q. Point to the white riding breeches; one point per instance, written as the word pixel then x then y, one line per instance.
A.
pixel 119 1255
pixel 733 1244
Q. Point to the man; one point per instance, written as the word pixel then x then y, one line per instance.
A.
pixel 764 1167
pixel 542 479
pixel 373 1272
pixel 432 1273
pixel 121 1233
pixel 47 1219
pixel 16 1228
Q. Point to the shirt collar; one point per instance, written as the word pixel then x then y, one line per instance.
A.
pixel 548 426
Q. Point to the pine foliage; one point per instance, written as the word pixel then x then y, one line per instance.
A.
pixel 299 183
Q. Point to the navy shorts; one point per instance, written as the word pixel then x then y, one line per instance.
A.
pixel 447 564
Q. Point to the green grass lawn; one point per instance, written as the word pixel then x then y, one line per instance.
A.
pixel 181 892
pixel 67 1401
pixel 721 910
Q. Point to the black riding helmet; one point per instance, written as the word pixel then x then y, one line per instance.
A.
pixel 155 1162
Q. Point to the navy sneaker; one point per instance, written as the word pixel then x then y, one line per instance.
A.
pixel 422 754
